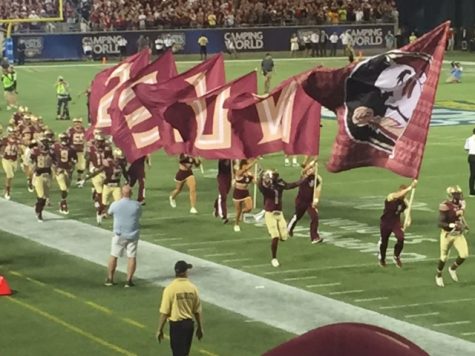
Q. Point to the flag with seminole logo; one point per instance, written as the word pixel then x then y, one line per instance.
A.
pixel 383 105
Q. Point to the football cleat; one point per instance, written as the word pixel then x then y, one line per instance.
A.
pixel 7 196
pixel 172 202
pixel 397 261
pixel 225 221
pixel 317 241
pixel 275 262
pixel 295 163
pixel 129 284
pixel 39 217
pixel 453 274
pixel 30 188
pixel 287 162
pixel 439 281
pixel 237 228
pixel 382 263
pixel 109 282
pixel 291 233
pixel 193 211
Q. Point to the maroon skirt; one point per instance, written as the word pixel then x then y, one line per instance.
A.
pixel 181 175
pixel 240 194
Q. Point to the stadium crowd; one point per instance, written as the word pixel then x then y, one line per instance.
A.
pixel 144 14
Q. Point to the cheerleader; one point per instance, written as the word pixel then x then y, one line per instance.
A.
pixel 185 176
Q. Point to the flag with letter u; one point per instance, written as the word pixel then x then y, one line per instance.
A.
pixel 383 105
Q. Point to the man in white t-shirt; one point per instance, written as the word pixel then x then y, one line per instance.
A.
pixel 168 41
pixel 315 39
pixel 334 43
pixel 159 45
pixel 87 49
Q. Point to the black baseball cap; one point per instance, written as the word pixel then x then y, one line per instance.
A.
pixel 182 267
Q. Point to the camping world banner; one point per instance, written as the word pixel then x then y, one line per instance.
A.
pixel 383 105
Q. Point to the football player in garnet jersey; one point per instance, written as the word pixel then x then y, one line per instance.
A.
pixel 307 201
pixel 272 188
pixel 9 150
pixel 113 168
pixel 241 197
pixel 76 134
pixel 185 176
pixel 453 226
pixel 65 159
pixel 390 223
pixel 42 158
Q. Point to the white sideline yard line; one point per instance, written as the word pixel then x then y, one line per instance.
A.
pixel 220 254
pixel 323 285
pixel 388 307
pixel 468 334
pixel 223 286
pixel 299 278
pixel 256 266
pixel 230 240
pixel 461 322
pixel 289 271
pixel 200 249
pixel 364 300
pixel 235 260
pixel 410 316
pixel 233 61
pixel 343 292
pixel 159 239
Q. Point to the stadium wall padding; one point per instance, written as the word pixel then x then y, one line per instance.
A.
pixel 49 46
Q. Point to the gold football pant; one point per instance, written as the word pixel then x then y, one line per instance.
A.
pixel 276 224
pixel 9 167
pixel 109 191
pixel 98 182
pixel 447 241
pixel 62 178
pixel 42 184
pixel 81 163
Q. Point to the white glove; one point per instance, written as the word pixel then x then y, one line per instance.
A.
pixel 80 184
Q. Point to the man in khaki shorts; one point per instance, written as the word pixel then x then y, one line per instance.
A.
pixel 126 213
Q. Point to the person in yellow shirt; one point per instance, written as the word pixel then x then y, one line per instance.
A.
pixel 212 20
pixel 203 42
pixel 412 37
pixel 180 303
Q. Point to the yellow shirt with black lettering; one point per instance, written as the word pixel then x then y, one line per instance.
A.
pixel 180 300
pixel 202 41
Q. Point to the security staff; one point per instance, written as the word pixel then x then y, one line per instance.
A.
pixel 470 148
pixel 9 82
pixel 62 93
pixel 180 302
pixel 203 42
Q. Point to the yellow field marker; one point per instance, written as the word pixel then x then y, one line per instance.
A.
pixel 98 307
pixel 134 323
pixel 64 293
pixel 72 327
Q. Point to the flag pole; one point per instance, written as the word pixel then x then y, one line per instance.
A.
pixel 254 203
pixel 407 213
pixel 315 164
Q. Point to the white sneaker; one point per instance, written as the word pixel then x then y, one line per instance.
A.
pixel 287 162
pixel 193 211
pixel 439 281
pixel 453 274
pixel 275 262
pixel 99 219
pixel 172 202
pixel 237 228
pixel 295 163
pixel 7 196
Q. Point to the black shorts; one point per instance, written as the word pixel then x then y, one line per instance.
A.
pixel 123 50
pixel 308 45
pixel 88 53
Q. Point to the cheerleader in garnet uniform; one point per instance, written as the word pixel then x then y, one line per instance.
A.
pixel 185 176
pixel 241 197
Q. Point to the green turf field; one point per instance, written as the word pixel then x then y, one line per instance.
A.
pixel 344 267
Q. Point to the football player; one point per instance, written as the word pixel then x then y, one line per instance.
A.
pixel 241 197
pixel 113 168
pixel 390 223
pixel 42 158
pixel 27 136
pixel 453 226
pixel 96 154
pixel 185 176
pixel 136 174
pixel 76 134
pixel 307 200
pixel 9 150
pixel 272 188
pixel 224 179
pixel 65 159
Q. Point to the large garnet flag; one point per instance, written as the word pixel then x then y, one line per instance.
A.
pixel 126 109
pixel 203 122
pixel 105 84
pixel 286 120
pixel 155 133
pixel 384 105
